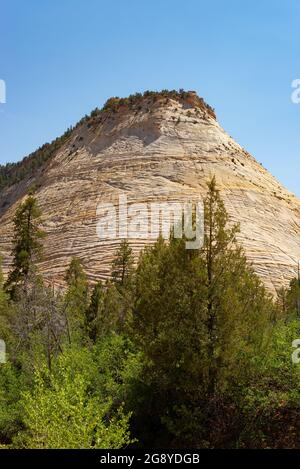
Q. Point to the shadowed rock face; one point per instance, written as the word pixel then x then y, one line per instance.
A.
pixel 160 150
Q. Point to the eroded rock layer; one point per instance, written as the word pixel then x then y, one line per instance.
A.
pixel 159 150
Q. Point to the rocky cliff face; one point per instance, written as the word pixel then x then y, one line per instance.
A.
pixel 155 148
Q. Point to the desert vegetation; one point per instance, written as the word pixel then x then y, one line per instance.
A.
pixel 184 349
pixel 149 97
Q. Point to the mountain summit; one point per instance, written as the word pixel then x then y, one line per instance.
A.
pixel 156 146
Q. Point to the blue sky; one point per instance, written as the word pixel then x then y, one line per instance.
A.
pixel 62 58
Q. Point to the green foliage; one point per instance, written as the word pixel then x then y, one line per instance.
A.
pixel 38 323
pixel 26 243
pixel 269 400
pixel 185 350
pixel 76 298
pixel 199 317
pixel 107 311
pixel 94 312
pixel 120 291
pixel 134 101
pixel 122 265
pixel 61 411
pixel 119 368
pixel 10 393
pixel 292 299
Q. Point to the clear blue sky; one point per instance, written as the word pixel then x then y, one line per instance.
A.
pixel 62 58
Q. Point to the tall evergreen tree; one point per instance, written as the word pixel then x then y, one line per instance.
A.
pixel 196 318
pixel 76 297
pixel 120 292
pixel 292 299
pixel 219 249
pixel 27 245
pixel 122 266
pixel 94 312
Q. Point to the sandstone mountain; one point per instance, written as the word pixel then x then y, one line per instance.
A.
pixel 153 147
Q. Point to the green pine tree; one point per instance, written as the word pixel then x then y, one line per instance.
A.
pixel 76 299
pixel 27 245
pixel 292 297
pixel 122 266
pixel 197 319
pixel 94 312
pixel 121 289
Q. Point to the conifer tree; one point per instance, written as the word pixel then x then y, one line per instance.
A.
pixel 120 291
pixel 238 307
pixel 292 296
pixel 94 312
pixel 5 310
pixel 196 318
pixel 27 245
pixel 76 297
pixel 122 266
pixel 219 249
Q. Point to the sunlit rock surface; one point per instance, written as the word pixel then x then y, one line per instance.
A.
pixel 165 150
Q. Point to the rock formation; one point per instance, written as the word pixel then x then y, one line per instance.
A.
pixel 156 147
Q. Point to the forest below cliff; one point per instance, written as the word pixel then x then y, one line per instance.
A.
pixel 183 349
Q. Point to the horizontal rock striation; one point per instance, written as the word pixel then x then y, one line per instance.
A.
pixel 162 149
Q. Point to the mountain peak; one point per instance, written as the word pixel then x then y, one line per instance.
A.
pixel 156 146
pixel 114 110
pixel 146 100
